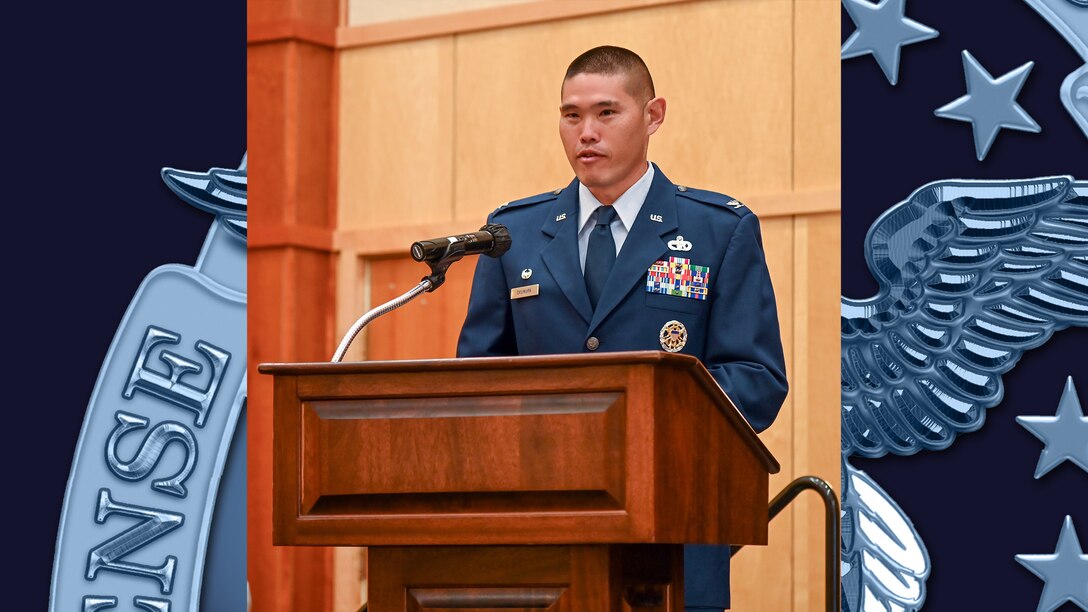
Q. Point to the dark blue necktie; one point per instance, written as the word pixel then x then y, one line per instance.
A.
pixel 601 254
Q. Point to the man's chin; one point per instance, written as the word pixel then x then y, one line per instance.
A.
pixel 592 180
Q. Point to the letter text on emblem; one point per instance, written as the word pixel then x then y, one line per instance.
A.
pixel 170 387
pixel 656 218
pixel 522 292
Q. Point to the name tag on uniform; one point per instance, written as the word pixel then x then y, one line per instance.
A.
pixel 527 291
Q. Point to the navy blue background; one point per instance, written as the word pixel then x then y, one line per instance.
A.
pixel 98 97
pixel 976 505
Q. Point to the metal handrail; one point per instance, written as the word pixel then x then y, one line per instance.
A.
pixel 832 525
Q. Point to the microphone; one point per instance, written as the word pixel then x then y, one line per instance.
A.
pixel 438 253
pixel 492 240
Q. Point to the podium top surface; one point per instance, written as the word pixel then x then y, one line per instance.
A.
pixel 686 363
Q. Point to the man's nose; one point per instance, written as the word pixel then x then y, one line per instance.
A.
pixel 589 131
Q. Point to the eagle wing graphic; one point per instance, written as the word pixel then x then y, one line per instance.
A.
pixel 971 275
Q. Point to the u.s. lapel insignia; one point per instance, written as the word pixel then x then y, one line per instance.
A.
pixel 561 217
pixel 657 219
pixel 673 336
pixel 679 244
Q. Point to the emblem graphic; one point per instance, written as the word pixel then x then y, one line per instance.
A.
pixel 1065 434
pixel 153 447
pixel 673 336
pixel 1063 572
pixel 679 244
pixel 990 104
pixel 972 274
pixel 1070 19
pixel 882 31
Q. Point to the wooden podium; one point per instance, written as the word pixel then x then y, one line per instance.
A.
pixel 523 483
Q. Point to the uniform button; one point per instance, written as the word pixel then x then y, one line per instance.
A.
pixel 592 343
pixel 681 188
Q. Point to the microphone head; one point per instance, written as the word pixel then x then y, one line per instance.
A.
pixel 502 239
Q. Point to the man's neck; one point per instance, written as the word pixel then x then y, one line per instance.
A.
pixel 609 196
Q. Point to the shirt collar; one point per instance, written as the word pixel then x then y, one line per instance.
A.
pixel 627 205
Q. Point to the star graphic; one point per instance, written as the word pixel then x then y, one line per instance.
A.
pixel 1064 572
pixel 1065 434
pixel 882 31
pixel 990 104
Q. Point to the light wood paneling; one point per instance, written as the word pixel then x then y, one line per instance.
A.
pixel 349 567
pixel 816 107
pixel 374 11
pixel 757 566
pixel 816 424
pixel 395 134
pixel 504 14
pixel 816 333
pixel 427 327
pixel 728 123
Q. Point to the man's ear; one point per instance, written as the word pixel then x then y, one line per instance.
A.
pixel 655 110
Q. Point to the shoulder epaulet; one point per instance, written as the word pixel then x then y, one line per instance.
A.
pixel 713 197
pixel 537 199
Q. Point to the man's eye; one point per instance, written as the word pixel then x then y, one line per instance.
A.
pixel 606 112
pixel 570 116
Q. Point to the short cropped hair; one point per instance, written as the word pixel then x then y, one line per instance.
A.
pixel 615 60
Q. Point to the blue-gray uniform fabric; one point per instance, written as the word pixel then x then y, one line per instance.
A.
pixel 734 331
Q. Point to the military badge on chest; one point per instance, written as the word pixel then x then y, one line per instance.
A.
pixel 678 277
pixel 673 336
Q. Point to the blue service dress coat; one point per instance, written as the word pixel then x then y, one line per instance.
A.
pixel 731 325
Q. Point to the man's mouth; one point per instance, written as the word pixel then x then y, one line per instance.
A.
pixel 589 155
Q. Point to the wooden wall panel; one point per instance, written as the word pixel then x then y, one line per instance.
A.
pixel 427 327
pixel 349 572
pixel 757 566
pixel 816 152
pixel 374 11
pixel 724 67
pixel 816 107
pixel 816 425
pixel 395 134
pixel 291 125
pixel 267 75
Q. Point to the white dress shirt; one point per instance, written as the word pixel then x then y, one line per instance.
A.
pixel 627 207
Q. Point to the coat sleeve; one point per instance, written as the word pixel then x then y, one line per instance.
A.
pixel 744 346
pixel 488 330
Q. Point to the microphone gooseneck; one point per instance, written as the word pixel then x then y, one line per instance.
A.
pixel 492 240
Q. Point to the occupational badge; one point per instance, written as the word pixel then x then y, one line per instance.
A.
pixel 134 528
pixel 673 336
pixel 679 244
pixel 678 277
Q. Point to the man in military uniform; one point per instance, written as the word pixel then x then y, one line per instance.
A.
pixel 623 260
